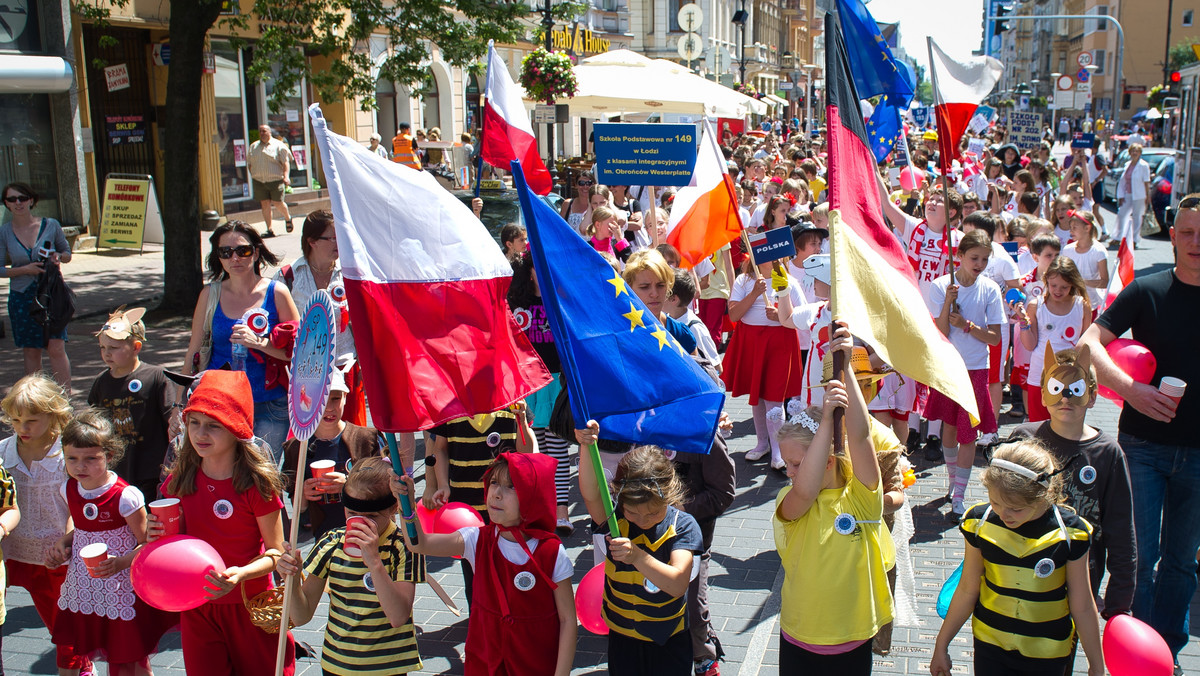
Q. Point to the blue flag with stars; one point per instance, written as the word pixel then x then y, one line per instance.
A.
pixel 876 72
pixel 620 365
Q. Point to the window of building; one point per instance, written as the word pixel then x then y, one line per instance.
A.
pixel 1187 18
pixel 673 14
pixel 1098 58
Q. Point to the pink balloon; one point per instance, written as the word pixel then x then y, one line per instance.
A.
pixel 427 517
pixel 1133 358
pixel 1133 648
pixel 589 601
pixel 455 515
pixel 169 573
pixel 910 179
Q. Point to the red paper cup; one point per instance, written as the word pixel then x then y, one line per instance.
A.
pixel 353 550
pixel 1173 388
pixel 170 514
pixel 93 555
pixel 319 469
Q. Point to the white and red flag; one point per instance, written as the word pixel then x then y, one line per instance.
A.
pixel 704 215
pixel 507 133
pixel 1123 275
pixel 427 289
pixel 958 89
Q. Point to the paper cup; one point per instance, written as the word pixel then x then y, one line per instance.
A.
pixel 93 555
pixel 1172 387
pixel 352 550
pixel 320 468
pixel 170 514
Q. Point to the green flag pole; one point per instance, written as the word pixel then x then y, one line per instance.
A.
pixel 605 496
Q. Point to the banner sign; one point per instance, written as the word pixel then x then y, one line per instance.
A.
pixel 644 154
pixel 312 364
pixel 1025 130
pixel 773 245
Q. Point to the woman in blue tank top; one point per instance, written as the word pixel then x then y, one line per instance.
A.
pixel 235 262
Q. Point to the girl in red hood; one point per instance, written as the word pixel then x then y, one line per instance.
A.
pixel 522 583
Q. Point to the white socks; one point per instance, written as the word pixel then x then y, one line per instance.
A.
pixel 962 476
pixel 759 412
pixel 950 453
pixel 773 428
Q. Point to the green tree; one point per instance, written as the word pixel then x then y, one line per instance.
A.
pixel 291 32
pixel 1181 55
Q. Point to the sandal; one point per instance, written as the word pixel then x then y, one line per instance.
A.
pixel 289 225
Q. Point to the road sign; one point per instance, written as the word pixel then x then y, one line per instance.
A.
pixel 1065 82
pixel 690 17
pixel 787 86
pixel 1083 75
pixel 689 46
pixel 543 113
pixel 1084 59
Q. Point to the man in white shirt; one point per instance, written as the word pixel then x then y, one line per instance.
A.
pixel 1132 191
pixel 270 163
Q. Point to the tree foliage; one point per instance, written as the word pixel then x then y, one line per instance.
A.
pixel 287 35
pixel 1181 55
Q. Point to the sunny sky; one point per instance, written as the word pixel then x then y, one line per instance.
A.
pixel 956 25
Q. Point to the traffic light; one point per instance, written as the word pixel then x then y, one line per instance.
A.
pixel 1002 11
pixel 1175 77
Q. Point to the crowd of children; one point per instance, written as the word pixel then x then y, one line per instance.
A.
pixel 985 255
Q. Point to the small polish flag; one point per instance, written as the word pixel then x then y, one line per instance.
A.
pixel 427 289
pixel 1123 275
pixel 507 133
pixel 959 87
pixel 704 215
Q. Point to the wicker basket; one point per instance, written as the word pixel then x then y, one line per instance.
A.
pixel 266 609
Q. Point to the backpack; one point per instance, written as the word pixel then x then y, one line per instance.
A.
pixel 53 305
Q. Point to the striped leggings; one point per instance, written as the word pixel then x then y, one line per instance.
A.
pixel 557 448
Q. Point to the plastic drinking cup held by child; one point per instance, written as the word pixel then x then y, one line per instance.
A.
pixel 353 550
pixel 1173 388
pixel 93 555
pixel 319 469
pixel 169 514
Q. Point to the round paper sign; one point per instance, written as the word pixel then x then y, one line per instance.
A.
pixel 312 362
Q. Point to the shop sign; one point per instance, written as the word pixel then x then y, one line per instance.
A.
pixel 130 216
pixel 117 77
pixel 162 54
pixel 644 154
pixel 125 129
pixel 210 63
pixel 581 41
pixel 300 155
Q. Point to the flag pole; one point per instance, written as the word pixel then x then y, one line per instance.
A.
pixel 839 357
pixel 614 528
pixel 943 164
pixel 406 505
pixel 290 583
pixel 483 100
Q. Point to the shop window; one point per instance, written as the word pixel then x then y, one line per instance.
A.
pixel 27 148
pixel 232 145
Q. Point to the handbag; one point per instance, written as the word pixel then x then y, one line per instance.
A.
pixel 1150 224
pixel 199 360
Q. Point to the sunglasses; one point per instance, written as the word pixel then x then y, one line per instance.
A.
pixel 241 251
pixel 17 199
pixel 584 183
pixel 325 239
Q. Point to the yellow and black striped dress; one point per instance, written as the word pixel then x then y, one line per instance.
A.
pixel 1022 606
pixel 472 444
pixel 359 638
pixel 635 607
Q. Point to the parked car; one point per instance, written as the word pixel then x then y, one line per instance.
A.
pixel 1153 156
pixel 501 207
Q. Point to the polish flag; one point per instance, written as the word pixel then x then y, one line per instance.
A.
pixel 1123 275
pixel 958 89
pixel 507 134
pixel 427 289
pixel 704 215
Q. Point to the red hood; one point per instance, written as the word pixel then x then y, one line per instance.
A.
pixel 533 479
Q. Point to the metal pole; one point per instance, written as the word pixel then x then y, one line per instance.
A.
pixel 548 25
pixel 742 60
pixel 1120 49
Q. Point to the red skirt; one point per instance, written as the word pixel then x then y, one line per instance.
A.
pixel 763 362
pixel 114 640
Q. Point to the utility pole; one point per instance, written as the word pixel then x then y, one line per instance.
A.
pixel 1167 48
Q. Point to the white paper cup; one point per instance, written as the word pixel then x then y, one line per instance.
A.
pixel 1172 387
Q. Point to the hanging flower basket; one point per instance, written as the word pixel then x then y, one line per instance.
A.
pixel 547 76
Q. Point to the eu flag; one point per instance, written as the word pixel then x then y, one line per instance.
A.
pixel 621 366
pixel 876 72
pixel 884 127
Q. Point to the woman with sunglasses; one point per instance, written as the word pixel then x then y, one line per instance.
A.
pixel 235 273
pixel 574 209
pixel 28 241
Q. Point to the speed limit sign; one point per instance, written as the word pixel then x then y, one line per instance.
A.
pixel 1084 59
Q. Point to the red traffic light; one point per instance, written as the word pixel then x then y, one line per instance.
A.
pixel 1176 77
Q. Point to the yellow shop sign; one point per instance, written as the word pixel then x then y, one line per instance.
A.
pixel 581 41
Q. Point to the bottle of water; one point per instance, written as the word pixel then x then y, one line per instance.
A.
pixel 238 353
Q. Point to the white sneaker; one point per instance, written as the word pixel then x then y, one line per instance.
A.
pixel 988 439
pixel 758 453
pixel 957 507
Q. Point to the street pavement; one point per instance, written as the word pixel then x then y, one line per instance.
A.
pixel 745 572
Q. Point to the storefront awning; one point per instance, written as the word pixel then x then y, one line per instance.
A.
pixel 775 100
pixel 24 74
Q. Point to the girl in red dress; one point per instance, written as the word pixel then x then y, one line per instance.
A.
pixel 228 490
pixel 99 614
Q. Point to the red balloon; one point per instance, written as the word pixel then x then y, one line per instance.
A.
pixel 589 601
pixel 169 573
pixel 1133 358
pixel 1133 648
pixel 455 515
pixel 427 517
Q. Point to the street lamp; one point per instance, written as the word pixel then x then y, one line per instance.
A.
pixel 1054 103
pixel 808 91
pixel 740 17
pixel 1091 69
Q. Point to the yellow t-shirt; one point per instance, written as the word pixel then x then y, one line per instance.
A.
pixel 835 587
pixel 816 187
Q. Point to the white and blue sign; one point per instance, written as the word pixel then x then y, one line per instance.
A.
pixel 1082 140
pixel 772 245
pixel 920 115
pixel 644 154
pixel 312 364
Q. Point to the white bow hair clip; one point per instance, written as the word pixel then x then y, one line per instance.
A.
pixel 797 414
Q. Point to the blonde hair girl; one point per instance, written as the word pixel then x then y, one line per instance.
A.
pixel 1031 556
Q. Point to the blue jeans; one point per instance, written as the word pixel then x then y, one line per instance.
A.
pixel 1166 515
pixel 271 425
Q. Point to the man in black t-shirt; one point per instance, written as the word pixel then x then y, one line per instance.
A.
pixel 1162 448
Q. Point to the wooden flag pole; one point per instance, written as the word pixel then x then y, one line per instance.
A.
pixel 839 357
pixel 289 585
